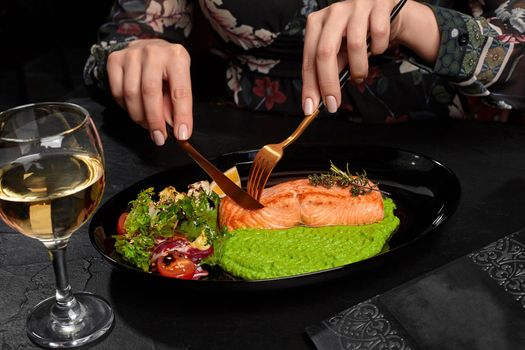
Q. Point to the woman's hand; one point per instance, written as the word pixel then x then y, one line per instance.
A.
pixel 151 79
pixel 338 34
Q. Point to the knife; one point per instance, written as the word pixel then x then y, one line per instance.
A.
pixel 227 186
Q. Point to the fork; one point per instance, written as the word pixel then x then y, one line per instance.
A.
pixel 268 156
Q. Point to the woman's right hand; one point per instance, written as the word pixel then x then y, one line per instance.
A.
pixel 151 79
pixel 337 34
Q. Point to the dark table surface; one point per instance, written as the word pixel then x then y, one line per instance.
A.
pixel 488 159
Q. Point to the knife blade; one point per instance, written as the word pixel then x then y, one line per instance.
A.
pixel 237 194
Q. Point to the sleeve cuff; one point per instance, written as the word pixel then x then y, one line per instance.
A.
pixel 95 70
pixel 462 41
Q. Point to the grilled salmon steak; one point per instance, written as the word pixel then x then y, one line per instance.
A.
pixel 297 202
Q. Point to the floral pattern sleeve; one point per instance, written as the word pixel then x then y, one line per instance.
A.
pixel 479 73
pixel 131 20
pixel 481 56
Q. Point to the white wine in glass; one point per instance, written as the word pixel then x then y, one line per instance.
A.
pixel 51 181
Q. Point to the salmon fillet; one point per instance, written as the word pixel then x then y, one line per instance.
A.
pixel 297 202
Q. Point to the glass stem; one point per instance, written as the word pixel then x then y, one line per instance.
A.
pixel 67 310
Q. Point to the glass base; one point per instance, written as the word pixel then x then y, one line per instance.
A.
pixel 95 321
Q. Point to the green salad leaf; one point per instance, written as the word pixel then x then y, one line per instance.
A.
pixel 138 219
pixel 201 215
pixel 137 250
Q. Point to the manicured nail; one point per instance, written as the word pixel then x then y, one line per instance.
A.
pixel 182 132
pixel 331 104
pixel 157 137
pixel 308 106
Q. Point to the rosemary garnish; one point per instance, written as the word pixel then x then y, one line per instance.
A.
pixel 358 182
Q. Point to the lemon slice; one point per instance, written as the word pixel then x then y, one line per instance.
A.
pixel 232 174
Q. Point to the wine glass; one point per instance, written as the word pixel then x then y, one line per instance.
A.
pixel 51 181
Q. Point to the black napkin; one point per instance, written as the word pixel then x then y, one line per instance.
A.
pixel 474 302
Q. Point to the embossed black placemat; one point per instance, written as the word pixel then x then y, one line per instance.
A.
pixel 474 302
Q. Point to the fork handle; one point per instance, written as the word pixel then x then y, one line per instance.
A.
pixel 343 78
pixel 301 128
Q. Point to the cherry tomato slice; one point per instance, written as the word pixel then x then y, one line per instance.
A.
pixel 176 266
pixel 121 228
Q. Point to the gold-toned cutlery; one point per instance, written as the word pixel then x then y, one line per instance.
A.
pixel 269 155
pixel 237 194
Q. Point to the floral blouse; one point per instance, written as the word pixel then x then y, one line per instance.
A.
pixel 479 72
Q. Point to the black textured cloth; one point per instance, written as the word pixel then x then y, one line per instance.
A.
pixel 474 302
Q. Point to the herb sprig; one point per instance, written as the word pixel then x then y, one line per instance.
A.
pixel 358 182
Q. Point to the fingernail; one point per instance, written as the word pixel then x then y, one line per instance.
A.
pixel 308 106
pixel 331 104
pixel 182 132
pixel 359 81
pixel 157 137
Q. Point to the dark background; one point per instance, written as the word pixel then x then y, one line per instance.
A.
pixel 44 45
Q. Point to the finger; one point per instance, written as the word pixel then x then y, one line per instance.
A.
pixel 132 89
pixel 151 89
pixel 115 77
pixel 310 91
pixel 357 31
pixel 380 28
pixel 178 73
pixel 327 56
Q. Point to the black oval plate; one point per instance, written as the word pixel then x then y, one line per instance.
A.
pixel 425 192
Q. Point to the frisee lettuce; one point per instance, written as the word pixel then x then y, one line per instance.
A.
pixel 200 213
pixel 136 251
pixel 138 219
